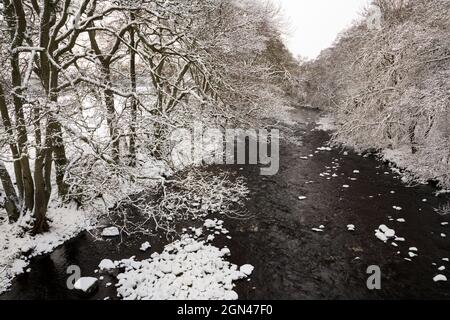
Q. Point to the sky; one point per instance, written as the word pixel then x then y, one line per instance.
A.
pixel 313 25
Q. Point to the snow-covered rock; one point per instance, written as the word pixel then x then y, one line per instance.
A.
pixel 145 246
pixel 66 223
pixel 106 265
pixel 247 269
pixel 384 233
pixel 181 273
pixel 110 232
pixel 440 278
pixel 86 284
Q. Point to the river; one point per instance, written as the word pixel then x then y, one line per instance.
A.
pixel 291 260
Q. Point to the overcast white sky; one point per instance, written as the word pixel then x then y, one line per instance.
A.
pixel 314 24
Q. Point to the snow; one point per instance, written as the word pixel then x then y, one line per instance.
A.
pixel 415 167
pixel 246 269
pixel 186 269
pixel 397 208
pixel 145 246
pixel 326 123
pixel 440 278
pixel 441 268
pixel 85 284
pixel 351 227
pixel 401 220
pixel 302 198
pixel 106 264
pixel 210 224
pixel 110 232
pixel 384 233
pixel 66 223
pixel 346 186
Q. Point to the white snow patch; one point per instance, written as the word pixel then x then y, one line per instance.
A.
pixel 247 269
pixel 145 246
pixel 326 123
pixel 66 223
pixel 85 284
pixel 440 278
pixel 110 232
pixel 185 270
pixel 106 264
pixel 384 233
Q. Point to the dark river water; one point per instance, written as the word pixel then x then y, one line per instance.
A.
pixel 291 260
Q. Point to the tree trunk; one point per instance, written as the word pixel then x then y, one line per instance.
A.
pixel 111 115
pixel 11 201
pixel 412 137
pixel 133 99
pixel 56 134
pixel 22 137
pixel 12 145
pixel 41 197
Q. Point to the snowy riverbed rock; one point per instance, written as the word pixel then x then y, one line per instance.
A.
pixel 186 269
pixel 384 233
pixel 145 246
pixel 110 232
pixel 86 285
pixel 106 265
pixel 246 269
pixel 440 278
